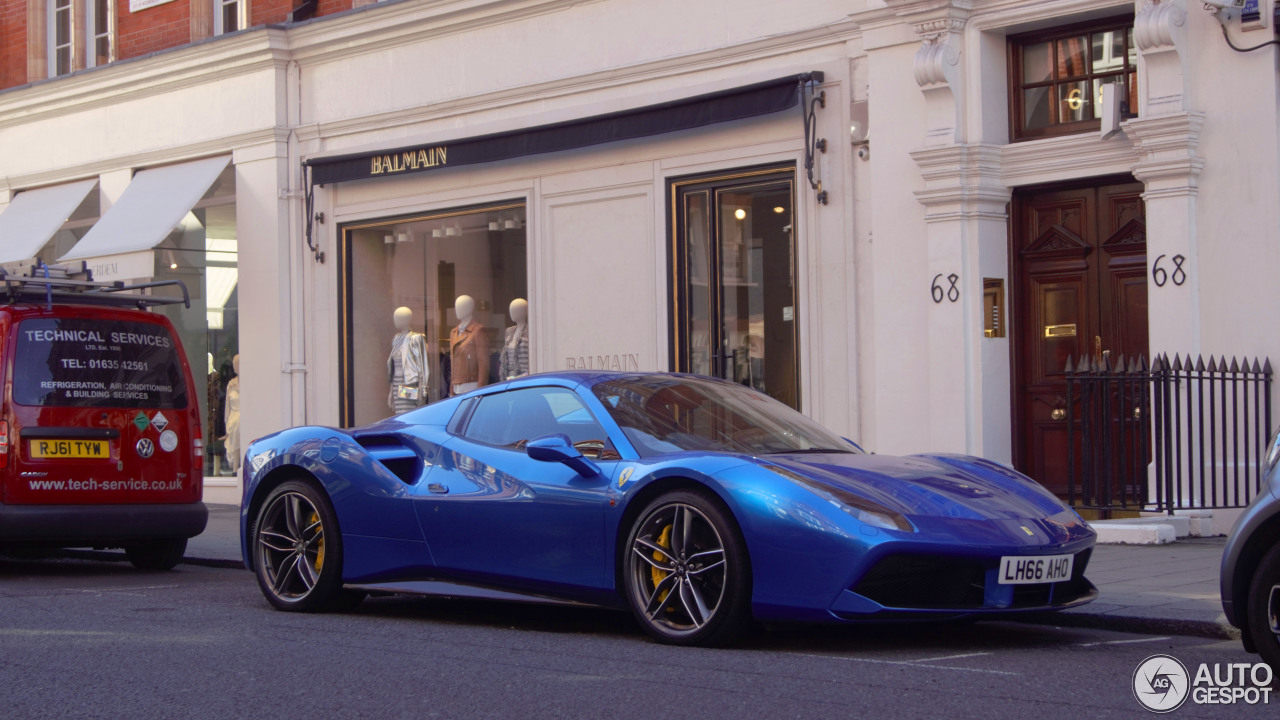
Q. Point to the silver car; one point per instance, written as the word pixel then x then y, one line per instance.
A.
pixel 1250 577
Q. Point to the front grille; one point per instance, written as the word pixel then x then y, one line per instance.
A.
pixel 912 581
pixel 925 581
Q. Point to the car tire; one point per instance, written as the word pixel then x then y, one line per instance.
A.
pixel 297 551
pixel 690 586
pixel 156 554
pixel 1263 607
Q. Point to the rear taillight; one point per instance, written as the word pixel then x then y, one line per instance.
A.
pixel 4 443
pixel 197 453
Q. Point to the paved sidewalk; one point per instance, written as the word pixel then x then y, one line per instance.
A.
pixel 1162 589
pixel 219 544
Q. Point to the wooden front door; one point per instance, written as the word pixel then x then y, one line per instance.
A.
pixel 1079 270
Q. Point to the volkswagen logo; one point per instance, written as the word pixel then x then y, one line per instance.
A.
pixel 146 448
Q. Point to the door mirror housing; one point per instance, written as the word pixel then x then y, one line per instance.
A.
pixel 557 448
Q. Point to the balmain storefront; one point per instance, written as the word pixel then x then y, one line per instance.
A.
pixel 606 242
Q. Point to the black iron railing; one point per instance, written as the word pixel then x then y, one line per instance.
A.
pixel 1179 434
pixel 1108 419
pixel 1213 423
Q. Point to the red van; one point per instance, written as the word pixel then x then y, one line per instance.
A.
pixel 100 442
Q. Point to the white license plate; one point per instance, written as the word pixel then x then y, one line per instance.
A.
pixel 1031 569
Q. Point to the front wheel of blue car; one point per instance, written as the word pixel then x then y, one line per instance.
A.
pixel 297 551
pixel 687 574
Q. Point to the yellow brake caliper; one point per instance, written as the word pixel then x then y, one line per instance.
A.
pixel 664 541
pixel 319 546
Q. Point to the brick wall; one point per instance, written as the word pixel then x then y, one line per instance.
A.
pixel 146 31
pixel 152 29
pixel 13 42
pixel 265 12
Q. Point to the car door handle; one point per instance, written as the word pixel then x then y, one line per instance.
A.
pixel 438 489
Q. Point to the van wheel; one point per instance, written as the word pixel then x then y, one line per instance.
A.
pixel 156 554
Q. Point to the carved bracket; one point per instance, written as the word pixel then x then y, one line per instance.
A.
pixel 1158 31
pixel 938 73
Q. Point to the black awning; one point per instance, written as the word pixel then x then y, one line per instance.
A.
pixel 723 106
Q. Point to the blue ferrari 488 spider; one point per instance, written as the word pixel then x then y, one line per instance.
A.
pixel 699 504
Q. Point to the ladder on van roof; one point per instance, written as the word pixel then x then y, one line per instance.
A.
pixel 73 282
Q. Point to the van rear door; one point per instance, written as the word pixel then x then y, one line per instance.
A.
pixel 103 412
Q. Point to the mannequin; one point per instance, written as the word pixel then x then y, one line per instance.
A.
pixel 232 410
pixel 469 349
pixel 514 362
pixel 407 370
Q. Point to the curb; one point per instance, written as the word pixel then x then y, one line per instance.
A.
pixel 1219 630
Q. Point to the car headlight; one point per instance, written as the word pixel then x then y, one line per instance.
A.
pixel 864 510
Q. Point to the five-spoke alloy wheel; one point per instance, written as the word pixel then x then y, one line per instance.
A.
pixel 297 550
pixel 687 576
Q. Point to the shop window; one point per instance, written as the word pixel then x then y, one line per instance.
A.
pixel 230 16
pixel 430 308
pixel 100 32
pixel 202 253
pixel 1056 77
pixel 61 45
pixel 735 280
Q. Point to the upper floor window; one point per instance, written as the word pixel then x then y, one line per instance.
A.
pixel 100 32
pixel 1057 76
pixel 229 15
pixel 61 46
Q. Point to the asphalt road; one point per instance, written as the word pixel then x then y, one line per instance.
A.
pixel 91 639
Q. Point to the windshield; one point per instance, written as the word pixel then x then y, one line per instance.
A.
pixel 82 362
pixel 666 413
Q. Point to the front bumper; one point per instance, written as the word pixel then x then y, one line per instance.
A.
pixel 909 584
pixel 98 525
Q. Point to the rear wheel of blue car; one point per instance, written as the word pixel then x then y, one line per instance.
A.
pixel 1264 609
pixel 297 551
pixel 687 574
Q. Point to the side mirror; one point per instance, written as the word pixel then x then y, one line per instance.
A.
pixel 557 448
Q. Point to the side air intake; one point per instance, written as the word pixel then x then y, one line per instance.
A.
pixel 394 455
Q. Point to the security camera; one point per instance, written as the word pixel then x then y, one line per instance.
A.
pixel 864 152
pixel 1222 4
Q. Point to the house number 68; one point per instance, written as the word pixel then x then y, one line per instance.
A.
pixel 1162 276
pixel 951 293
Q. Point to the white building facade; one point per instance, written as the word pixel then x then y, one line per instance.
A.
pixel 899 217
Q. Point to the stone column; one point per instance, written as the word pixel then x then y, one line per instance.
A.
pixel 264 288
pixel 966 216
pixel 966 239
pixel 37 40
pixel 1165 136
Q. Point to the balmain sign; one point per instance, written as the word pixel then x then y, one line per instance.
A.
pixel 409 160
pixel 694 112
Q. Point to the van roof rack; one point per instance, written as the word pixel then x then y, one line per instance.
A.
pixel 73 282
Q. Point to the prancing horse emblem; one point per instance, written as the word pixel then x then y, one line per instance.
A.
pixel 146 448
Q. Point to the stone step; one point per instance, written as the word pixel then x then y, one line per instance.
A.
pixel 1142 531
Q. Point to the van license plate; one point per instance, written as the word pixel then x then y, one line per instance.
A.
pixel 58 449
pixel 1030 569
